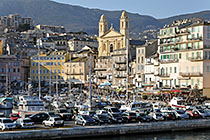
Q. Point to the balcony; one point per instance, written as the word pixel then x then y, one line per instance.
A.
pixel 186 32
pixel 120 76
pixel 75 73
pixel 121 62
pixel 194 59
pixel 101 76
pixel 165 61
pixel 164 75
pixel 121 68
pixel 100 69
pixel 190 74
pixel 149 72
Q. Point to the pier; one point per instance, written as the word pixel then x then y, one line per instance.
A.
pixel 106 130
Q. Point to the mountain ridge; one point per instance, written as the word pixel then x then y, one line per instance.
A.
pixel 77 18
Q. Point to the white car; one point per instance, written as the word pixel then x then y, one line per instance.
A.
pixel 24 123
pixel 53 121
pixel 6 123
pixel 157 116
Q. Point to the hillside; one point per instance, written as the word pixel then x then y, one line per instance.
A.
pixel 76 18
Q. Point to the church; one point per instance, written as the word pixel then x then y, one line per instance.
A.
pixel 114 53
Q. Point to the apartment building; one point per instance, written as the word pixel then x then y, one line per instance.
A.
pixel 143 51
pixel 76 44
pixel 55 29
pixel 184 53
pixel 12 71
pixel 14 20
pixel 51 66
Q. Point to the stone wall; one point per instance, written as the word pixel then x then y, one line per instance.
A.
pixel 105 130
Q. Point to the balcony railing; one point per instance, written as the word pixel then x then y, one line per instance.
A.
pixel 120 76
pixel 164 75
pixel 121 68
pixel 100 69
pixel 102 76
pixel 163 61
pixel 120 62
pixel 190 74
pixel 195 59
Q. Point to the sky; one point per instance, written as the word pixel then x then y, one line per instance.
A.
pixel 155 8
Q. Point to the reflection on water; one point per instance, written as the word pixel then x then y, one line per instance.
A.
pixel 186 135
pixel 6 112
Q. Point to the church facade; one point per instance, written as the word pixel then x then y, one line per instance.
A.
pixel 112 52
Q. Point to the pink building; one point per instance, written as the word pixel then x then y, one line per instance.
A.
pixel 12 72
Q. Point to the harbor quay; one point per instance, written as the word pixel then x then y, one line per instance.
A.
pixel 106 130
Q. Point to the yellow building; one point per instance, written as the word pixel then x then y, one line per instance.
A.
pixel 51 66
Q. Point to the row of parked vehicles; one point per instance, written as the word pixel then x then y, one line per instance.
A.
pixel 113 115
pixel 107 115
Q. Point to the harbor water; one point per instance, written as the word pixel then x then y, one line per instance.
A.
pixel 184 135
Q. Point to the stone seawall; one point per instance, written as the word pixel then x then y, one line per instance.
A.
pixel 121 129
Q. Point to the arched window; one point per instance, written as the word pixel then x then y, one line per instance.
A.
pixel 111 48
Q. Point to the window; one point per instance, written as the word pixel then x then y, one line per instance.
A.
pixel 198 82
pixel 36 71
pixel 54 71
pixel 192 82
pixel 192 55
pixel 33 64
pixel 43 71
pixel 111 48
pixel 186 82
pixel 170 69
pixel 192 69
pixel 33 71
pixel 174 69
pixel 208 69
pixel 180 56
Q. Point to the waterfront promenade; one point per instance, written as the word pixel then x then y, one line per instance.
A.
pixel 119 129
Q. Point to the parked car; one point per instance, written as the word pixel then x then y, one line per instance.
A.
pixel 129 116
pixel 142 117
pixel 84 120
pixel 39 117
pixel 104 112
pixel 180 114
pixel 169 115
pixel 115 118
pixel 24 123
pixel 112 110
pixel 101 118
pixel 203 113
pixel 53 121
pixel 193 114
pixel 53 114
pixel 6 123
pixel 65 114
pixel 14 116
pixel 157 116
